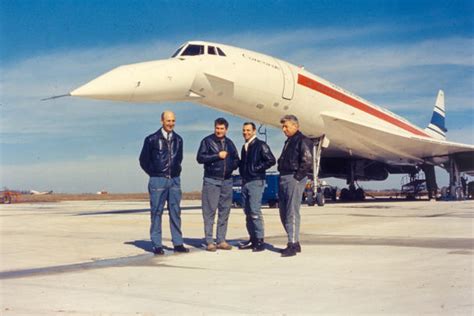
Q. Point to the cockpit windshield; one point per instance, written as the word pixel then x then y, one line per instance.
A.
pixel 195 49
pixel 177 52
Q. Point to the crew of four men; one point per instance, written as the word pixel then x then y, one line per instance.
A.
pixel 161 158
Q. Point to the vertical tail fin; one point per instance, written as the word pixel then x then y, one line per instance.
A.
pixel 436 128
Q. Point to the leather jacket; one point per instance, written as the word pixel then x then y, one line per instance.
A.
pixel 160 157
pixel 208 154
pixel 255 160
pixel 296 157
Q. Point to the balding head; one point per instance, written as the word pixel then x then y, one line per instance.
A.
pixel 168 121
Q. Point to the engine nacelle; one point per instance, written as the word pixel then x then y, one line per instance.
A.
pixel 364 169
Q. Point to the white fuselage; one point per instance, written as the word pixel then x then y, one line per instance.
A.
pixel 261 88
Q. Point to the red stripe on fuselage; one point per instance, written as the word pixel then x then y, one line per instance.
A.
pixel 330 92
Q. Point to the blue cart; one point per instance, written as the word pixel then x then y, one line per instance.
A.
pixel 270 193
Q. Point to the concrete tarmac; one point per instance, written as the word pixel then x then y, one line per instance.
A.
pixel 93 258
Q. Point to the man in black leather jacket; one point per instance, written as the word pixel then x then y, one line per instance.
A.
pixel 219 156
pixel 161 158
pixel 256 158
pixel 294 164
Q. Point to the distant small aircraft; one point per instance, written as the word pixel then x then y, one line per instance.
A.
pixel 354 139
pixel 40 193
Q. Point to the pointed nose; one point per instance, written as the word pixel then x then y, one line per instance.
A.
pixel 117 84
pixel 153 81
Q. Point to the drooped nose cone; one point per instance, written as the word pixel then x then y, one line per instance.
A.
pixel 117 84
pixel 153 81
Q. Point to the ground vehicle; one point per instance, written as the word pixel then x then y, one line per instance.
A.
pixel 324 191
pixel 270 193
pixel 8 197
pixel 413 187
pixel 470 190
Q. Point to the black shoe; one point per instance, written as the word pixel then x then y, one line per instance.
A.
pixel 246 245
pixel 289 251
pixel 258 246
pixel 158 251
pixel 181 248
pixel 297 246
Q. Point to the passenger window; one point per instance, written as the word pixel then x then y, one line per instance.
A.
pixel 177 52
pixel 211 50
pixel 193 50
pixel 221 53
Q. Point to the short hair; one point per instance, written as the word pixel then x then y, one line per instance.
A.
pixel 251 123
pixel 221 121
pixel 163 114
pixel 289 117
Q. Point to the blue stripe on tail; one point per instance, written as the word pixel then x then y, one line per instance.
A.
pixel 438 120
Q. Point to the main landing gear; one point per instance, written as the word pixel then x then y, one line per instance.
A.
pixel 351 193
pixel 456 190
pixel 316 195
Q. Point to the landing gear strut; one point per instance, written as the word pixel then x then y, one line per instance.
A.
pixel 352 193
pixel 317 194
pixel 455 190
pixel 430 177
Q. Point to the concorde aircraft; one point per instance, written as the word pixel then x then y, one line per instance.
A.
pixel 354 139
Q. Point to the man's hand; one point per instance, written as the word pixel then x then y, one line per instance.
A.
pixel 223 154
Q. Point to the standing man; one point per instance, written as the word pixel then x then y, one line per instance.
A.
pixel 161 158
pixel 294 164
pixel 220 158
pixel 256 159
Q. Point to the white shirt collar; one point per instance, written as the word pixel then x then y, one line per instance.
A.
pixel 165 133
pixel 247 143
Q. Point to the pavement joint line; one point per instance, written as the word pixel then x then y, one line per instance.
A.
pixel 66 268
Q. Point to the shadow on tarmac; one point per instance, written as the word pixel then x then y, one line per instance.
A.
pixel 183 208
pixel 354 240
pixel 458 246
pixel 451 214
pixel 197 243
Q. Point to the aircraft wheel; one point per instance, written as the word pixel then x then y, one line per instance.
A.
pixel 310 199
pixel 327 192
pixel 344 195
pixel 459 193
pixel 320 200
pixel 360 194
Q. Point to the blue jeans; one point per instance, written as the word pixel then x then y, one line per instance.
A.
pixel 216 194
pixel 290 193
pixel 252 202
pixel 163 190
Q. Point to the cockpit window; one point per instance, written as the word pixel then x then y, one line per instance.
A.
pixel 211 50
pixel 193 50
pixel 177 52
pixel 221 53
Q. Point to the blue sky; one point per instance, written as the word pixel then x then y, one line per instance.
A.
pixel 396 54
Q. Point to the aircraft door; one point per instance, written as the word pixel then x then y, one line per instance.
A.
pixel 288 81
